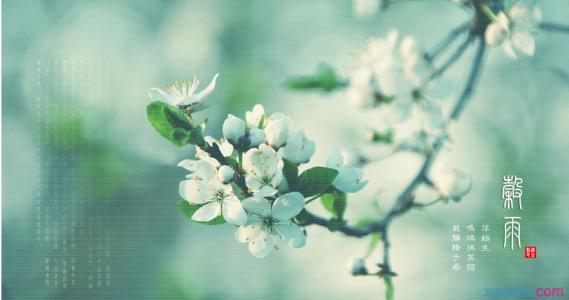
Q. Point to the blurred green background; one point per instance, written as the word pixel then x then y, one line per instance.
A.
pixel 90 190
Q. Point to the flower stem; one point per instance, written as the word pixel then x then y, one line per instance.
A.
pixel 472 80
pixel 313 198
pixel 405 200
pixel 447 41
pixel 454 57
pixel 423 205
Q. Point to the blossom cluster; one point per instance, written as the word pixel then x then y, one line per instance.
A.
pixel 394 78
pixel 249 178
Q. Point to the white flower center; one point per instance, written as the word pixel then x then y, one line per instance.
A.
pixel 269 224
pixel 219 195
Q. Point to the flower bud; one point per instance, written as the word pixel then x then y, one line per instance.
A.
pixel 365 8
pixel 351 158
pixel 410 48
pixel 361 96
pixel 254 117
pixel 233 128
pixel 497 31
pixel 299 149
pixel 522 14
pixel 276 132
pixel 225 174
pixel 360 92
pixel 453 183
pixel 349 179
pixel 357 266
pixel 256 137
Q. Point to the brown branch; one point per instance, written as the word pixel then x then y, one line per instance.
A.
pixel 405 201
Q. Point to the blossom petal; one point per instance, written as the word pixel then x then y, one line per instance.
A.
pixel 161 95
pixel 441 89
pixel 262 245
pixel 349 180
pixel 247 233
pixel 194 191
pixel 265 191
pixel 257 205
pixel 226 148
pixel 207 212
pixel 199 96
pixel 205 168
pixel 335 160
pixel 431 116
pixel 189 164
pixel 292 235
pixel 523 41
pixel 233 211
pixel 399 111
pixel 254 116
pixel 510 50
pixel 253 182
pixel 288 205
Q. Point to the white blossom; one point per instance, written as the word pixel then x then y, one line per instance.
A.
pixel 233 128
pixel 255 116
pixel 224 146
pixel 256 137
pixel 270 226
pixel 183 93
pixel 388 69
pixel 426 114
pixel 360 92
pixel 277 129
pixel 299 149
pixel 497 31
pixel 452 182
pixel 263 167
pixel 515 30
pixel 225 173
pixel 205 188
pixel 366 8
pixel 349 178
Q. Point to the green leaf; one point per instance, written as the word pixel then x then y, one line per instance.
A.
pixel 325 79
pixel 315 181
pixel 170 122
pixel 382 137
pixel 290 172
pixel 189 209
pixel 196 137
pixel 335 203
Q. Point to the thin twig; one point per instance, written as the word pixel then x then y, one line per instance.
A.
pixel 454 57
pixel 314 198
pixel 447 41
pixel 405 200
pixel 423 205
pixel 472 80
